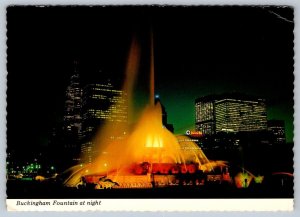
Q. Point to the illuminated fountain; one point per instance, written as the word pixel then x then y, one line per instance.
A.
pixel 145 154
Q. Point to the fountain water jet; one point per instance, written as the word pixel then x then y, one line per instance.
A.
pixel 147 146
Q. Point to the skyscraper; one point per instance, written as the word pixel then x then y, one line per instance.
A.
pixel 230 113
pixel 276 131
pixel 170 127
pixel 72 122
pixel 101 102
pixel 205 115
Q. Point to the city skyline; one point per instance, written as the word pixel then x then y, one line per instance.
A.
pixel 205 51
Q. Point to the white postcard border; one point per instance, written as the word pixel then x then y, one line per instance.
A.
pixel 232 204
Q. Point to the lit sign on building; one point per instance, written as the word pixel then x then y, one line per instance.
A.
pixel 193 133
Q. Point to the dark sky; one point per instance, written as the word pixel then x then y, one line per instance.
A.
pixel 198 51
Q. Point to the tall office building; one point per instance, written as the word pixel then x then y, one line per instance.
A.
pixel 167 125
pixel 205 115
pixel 101 103
pixel 276 131
pixel 72 117
pixel 72 122
pixel 230 113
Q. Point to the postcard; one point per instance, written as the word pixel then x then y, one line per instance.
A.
pixel 150 108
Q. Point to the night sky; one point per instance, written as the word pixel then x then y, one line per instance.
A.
pixel 198 51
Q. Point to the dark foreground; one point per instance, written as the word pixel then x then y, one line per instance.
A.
pixel 18 189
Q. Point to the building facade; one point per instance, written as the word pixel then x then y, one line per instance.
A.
pixel 230 113
pixel 167 125
pixel 72 120
pixel 72 116
pixel 276 129
pixel 101 103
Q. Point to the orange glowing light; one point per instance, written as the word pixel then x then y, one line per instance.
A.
pixel 145 149
pixel 243 180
